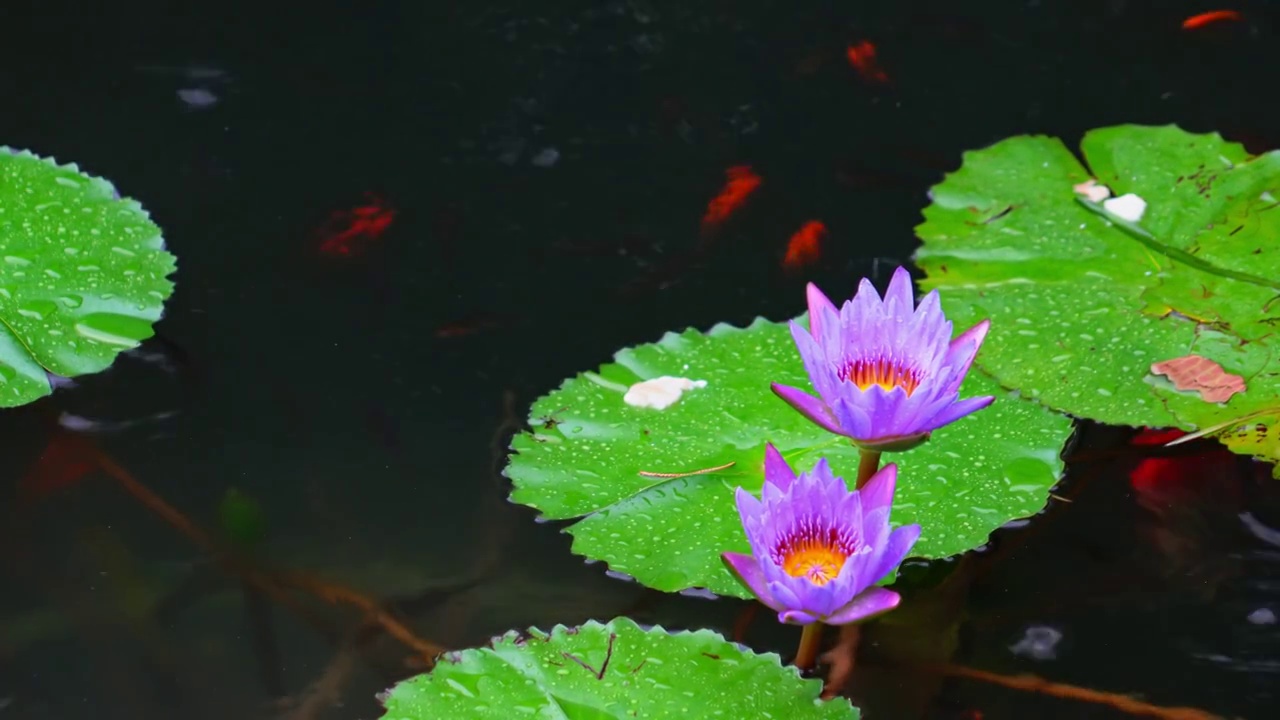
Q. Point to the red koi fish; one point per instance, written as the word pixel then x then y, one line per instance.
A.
pixel 349 232
pixel 862 56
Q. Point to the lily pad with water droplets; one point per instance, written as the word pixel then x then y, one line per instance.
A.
pixel 83 274
pixel 1083 303
pixel 614 671
pixel 587 449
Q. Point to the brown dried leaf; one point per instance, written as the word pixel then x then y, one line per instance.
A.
pixel 1192 372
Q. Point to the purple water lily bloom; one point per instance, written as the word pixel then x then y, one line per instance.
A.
pixel 887 372
pixel 818 548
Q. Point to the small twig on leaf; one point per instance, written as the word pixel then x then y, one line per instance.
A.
pixel 704 471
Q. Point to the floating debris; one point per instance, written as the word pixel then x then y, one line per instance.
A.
pixel 1092 191
pixel 660 393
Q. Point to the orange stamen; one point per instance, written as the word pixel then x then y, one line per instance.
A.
pixel 880 371
pixel 814 553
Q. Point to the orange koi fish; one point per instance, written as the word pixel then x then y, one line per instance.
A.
pixel 805 246
pixel 740 182
pixel 1207 18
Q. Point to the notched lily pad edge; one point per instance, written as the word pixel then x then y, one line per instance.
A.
pixel 102 182
pixel 520 637
pixel 157 244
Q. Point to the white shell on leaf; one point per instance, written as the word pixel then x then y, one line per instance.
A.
pixel 1126 207
pixel 1092 191
pixel 660 393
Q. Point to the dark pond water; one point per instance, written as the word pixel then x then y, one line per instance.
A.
pixel 548 164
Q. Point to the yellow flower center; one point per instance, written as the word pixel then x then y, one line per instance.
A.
pixel 813 552
pixel 884 372
pixel 819 563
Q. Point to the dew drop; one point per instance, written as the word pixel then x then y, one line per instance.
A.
pixel 114 329
pixel 37 309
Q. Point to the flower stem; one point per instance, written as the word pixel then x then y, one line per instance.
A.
pixel 810 639
pixel 868 464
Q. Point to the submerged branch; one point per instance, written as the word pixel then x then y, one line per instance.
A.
pixel 1116 701
pixel 263 581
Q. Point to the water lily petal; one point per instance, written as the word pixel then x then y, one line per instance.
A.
pixel 957 410
pixel 776 470
pixel 786 595
pixel 854 419
pixel 899 297
pixel 748 505
pixel 808 405
pixel 974 335
pixel 871 602
pixel 895 551
pixel 878 492
pixel 747 570
pixel 962 351
pixel 796 617
pixel 821 309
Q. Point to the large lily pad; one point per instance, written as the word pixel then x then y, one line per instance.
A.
pixel 587 450
pixel 612 671
pixel 1083 302
pixel 83 274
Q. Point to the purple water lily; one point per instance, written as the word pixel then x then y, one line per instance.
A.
pixel 817 548
pixel 887 372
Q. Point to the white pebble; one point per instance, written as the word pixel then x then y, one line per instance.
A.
pixel 1126 207
pixel 660 393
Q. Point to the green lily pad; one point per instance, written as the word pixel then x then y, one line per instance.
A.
pixel 586 451
pixel 611 671
pixel 1082 303
pixel 83 274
